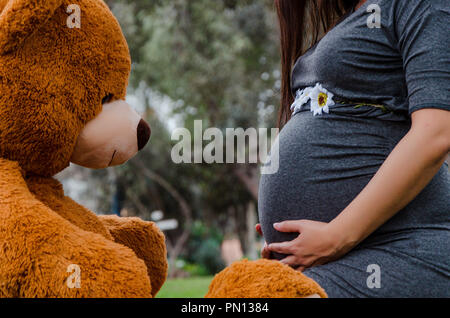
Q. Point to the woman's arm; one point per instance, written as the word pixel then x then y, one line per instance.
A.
pixel 405 173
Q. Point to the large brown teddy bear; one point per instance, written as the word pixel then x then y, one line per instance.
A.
pixel 62 87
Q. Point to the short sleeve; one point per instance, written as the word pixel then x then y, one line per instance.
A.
pixel 423 31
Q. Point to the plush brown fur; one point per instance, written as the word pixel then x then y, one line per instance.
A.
pixel 53 78
pixel 262 279
pixel 52 82
pixel 141 237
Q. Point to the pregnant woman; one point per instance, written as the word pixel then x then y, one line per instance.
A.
pixel 361 200
pixel 362 185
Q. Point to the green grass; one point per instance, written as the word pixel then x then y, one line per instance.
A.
pixel 193 287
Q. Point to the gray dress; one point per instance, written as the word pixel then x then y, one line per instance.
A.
pixel 378 76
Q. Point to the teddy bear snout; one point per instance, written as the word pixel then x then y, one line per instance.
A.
pixel 111 138
pixel 143 134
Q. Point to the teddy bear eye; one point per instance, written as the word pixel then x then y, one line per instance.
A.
pixel 107 98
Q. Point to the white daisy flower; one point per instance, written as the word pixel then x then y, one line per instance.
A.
pixel 302 97
pixel 321 100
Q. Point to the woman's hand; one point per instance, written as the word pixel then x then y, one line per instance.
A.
pixel 318 243
pixel 265 253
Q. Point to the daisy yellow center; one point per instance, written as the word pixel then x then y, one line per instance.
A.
pixel 322 99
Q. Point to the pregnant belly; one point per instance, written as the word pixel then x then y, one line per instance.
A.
pixel 324 162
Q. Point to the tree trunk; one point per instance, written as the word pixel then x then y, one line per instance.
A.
pixel 252 253
pixel 173 249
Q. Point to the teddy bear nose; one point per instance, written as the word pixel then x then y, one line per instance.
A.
pixel 143 134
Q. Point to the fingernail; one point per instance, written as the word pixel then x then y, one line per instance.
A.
pixel 275 225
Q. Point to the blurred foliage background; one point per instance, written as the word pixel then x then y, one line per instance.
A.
pixel 217 61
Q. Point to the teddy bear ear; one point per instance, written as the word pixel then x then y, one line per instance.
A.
pixel 20 18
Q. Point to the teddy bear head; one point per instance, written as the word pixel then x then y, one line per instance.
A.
pixel 64 68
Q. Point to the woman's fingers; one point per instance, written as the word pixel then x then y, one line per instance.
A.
pixel 289 260
pixel 294 262
pixel 283 248
pixel 265 253
pixel 300 268
pixel 258 229
pixel 288 226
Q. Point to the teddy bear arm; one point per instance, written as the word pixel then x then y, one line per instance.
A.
pixel 146 240
pixel 44 255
